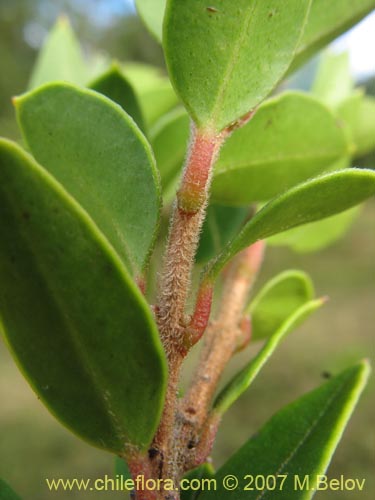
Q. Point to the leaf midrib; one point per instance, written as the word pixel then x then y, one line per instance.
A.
pixel 308 432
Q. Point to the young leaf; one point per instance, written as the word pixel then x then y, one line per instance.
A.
pixel 220 225
pixel 313 200
pixel 242 381
pixel 98 154
pixel 299 441
pixel 333 82
pixel 317 235
pixel 279 299
pixel 6 492
pixel 114 85
pixel 291 138
pixel 326 21
pixel 169 140
pixel 225 59
pixel 60 58
pixel 358 112
pixel 76 323
pixel 155 93
pixel 152 13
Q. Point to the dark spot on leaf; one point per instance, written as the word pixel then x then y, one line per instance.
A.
pixel 269 123
pixel 326 375
pixel 26 215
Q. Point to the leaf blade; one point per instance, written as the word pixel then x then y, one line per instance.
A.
pixel 231 49
pixel 69 311
pixel 291 138
pixel 109 168
pixel 317 419
pixel 242 381
pixel 313 200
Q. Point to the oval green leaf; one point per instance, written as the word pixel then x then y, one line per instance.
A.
pixel 313 200
pixel 76 323
pixel 95 150
pixel 152 14
pixel 224 59
pixel 60 58
pixel 242 381
pixel 326 21
pixel 277 301
pixel 114 85
pixel 299 441
pixel 291 138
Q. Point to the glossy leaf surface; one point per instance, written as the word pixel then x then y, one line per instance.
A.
pixel 78 326
pixel 313 200
pixel 298 440
pixel 6 492
pixel 242 381
pixel 317 235
pixel 61 57
pixel 224 59
pixel 95 150
pixel 358 112
pixel 333 83
pixel 279 299
pixel 291 138
pixel 152 13
pixel 114 85
pixel 326 21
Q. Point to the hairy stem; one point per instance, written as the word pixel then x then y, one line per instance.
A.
pixel 223 338
pixel 174 283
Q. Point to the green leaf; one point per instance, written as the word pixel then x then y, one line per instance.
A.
pixel 358 112
pixel 291 138
pixel 279 299
pixel 195 478
pixel 333 82
pixel 313 200
pixel 114 85
pixel 225 59
pixel 78 326
pixel 152 13
pixel 6 492
pixel 99 155
pixel 60 58
pixel 242 381
pixel 155 93
pixel 299 441
pixel 317 235
pixel 169 140
pixel 326 21
pixel 220 225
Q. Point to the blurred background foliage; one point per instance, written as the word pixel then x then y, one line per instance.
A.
pixel 34 446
